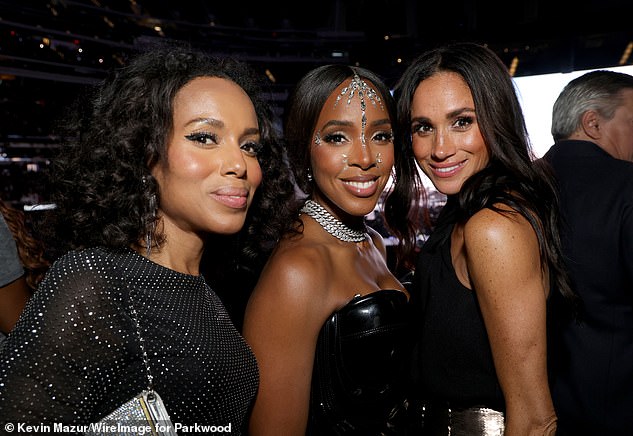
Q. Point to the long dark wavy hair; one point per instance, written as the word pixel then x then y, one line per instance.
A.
pixel 101 179
pixel 31 249
pixel 512 177
pixel 301 115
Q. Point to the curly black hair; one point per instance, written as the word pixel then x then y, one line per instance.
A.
pixel 101 179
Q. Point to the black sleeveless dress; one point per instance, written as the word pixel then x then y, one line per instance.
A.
pixel 452 361
pixel 359 370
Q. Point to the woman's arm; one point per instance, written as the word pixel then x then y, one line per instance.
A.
pixel 70 339
pixel 282 322
pixel 13 298
pixel 14 291
pixel 503 262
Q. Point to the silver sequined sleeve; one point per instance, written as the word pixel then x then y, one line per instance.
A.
pixel 75 356
pixel 71 344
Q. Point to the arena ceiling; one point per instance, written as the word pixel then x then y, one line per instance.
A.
pixel 51 49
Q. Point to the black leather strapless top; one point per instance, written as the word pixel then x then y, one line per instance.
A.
pixel 358 380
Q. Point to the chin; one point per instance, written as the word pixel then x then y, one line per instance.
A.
pixel 226 232
pixel 363 209
pixel 448 188
pixel 227 228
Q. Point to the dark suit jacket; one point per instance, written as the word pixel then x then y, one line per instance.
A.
pixel 592 362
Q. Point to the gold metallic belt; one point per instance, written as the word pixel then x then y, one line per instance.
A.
pixel 442 420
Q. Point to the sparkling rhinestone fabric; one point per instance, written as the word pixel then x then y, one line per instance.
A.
pixel 74 356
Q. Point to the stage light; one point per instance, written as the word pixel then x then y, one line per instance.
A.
pixel 513 66
pixel 627 53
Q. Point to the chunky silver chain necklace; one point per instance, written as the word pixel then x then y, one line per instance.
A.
pixel 332 225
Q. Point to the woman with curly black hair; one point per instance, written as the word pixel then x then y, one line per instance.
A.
pixel 484 277
pixel 165 165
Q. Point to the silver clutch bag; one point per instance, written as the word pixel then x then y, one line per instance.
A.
pixel 143 414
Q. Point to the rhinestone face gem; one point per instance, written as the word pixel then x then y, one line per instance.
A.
pixel 359 87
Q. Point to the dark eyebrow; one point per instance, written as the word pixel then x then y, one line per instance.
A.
pixel 419 120
pixel 337 123
pixel 340 123
pixel 381 122
pixel 456 112
pixel 211 121
pixel 251 131
pixel 451 114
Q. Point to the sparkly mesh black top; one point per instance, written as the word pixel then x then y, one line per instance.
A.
pixel 74 355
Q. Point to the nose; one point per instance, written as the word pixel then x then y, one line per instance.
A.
pixel 361 155
pixel 443 147
pixel 233 161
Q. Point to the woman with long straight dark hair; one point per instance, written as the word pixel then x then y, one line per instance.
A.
pixel 328 320
pixel 484 277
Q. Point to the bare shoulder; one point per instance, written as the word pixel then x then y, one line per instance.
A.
pixel 501 250
pixel 294 277
pixel 294 263
pixel 490 228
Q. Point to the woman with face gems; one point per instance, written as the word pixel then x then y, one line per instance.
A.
pixel 327 319
pixel 484 277
pixel 169 159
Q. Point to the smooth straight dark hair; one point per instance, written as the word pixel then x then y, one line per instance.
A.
pixel 513 176
pixel 301 115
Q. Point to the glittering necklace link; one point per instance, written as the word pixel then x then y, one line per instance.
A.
pixel 332 225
